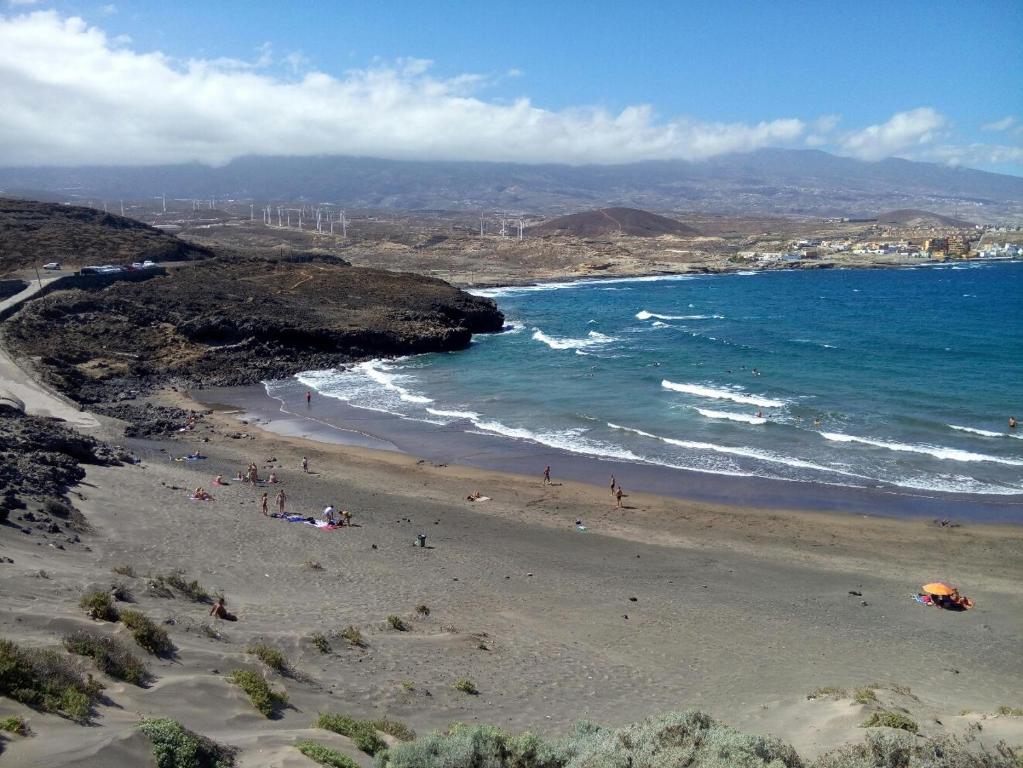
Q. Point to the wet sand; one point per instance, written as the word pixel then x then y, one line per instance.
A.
pixel 331 420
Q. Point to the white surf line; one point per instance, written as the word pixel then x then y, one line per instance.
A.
pixel 937 451
pixel 722 394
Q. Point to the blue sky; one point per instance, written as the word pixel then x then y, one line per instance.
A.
pixel 935 81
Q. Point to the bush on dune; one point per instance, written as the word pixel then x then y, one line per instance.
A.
pixel 676 739
pixel 110 655
pixel 324 755
pixel 148 634
pixel 174 746
pixel 690 739
pixel 99 606
pixel 362 732
pixel 264 698
pixel 46 680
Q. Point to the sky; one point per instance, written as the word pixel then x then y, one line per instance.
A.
pixel 141 83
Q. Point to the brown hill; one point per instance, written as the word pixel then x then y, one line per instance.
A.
pixel 911 217
pixel 613 221
pixel 33 233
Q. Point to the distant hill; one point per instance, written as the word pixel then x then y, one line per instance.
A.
pixel 32 233
pixel 910 217
pixel 613 221
pixel 768 181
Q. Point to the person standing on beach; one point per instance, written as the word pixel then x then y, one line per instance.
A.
pixel 612 485
pixel 281 498
pixel 264 503
pixel 305 464
pixel 308 398
pixel 618 496
pixel 547 475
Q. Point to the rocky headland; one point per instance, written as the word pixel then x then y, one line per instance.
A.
pixel 225 322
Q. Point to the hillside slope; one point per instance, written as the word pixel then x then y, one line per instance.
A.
pixel 33 233
pixel 613 221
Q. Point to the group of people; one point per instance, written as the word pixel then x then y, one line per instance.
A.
pixel 281 500
pixel 335 517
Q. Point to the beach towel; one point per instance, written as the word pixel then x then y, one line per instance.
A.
pixel 924 599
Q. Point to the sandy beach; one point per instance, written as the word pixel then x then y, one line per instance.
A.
pixel 664 605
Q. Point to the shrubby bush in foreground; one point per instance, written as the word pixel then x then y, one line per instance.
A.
pixel 46 680
pixel 675 740
pixel 174 746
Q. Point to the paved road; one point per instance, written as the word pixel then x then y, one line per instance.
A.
pixel 38 400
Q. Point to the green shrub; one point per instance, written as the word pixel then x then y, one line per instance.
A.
pixel 396 622
pixel 46 680
pixel 324 755
pixel 174 746
pixel 264 698
pixel 193 590
pixel 353 636
pixel 270 656
pixel 864 696
pixel 110 655
pixel 884 718
pixel 361 732
pixel 423 610
pixel 149 635
pixel 394 728
pixel 1010 711
pixel 15 724
pixel 465 685
pixel 320 642
pixel 99 605
pixel 672 740
pixel 885 749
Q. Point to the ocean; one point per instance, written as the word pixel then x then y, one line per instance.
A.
pixel 895 379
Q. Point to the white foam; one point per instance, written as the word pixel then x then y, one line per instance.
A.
pixel 470 415
pixel 374 370
pixel 593 338
pixel 749 453
pixel 645 315
pixel 815 343
pixel 731 416
pixel 571 440
pixel 972 431
pixel 937 451
pixel 722 394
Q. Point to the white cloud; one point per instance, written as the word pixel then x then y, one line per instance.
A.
pixel 974 155
pixel 904 131
pixel 108 10
pixel 72 95
pixel 1000 125
pixel 821 130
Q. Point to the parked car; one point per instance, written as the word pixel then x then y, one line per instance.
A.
pixel 52 266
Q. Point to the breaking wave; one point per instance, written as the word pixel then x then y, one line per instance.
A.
pixel 722 394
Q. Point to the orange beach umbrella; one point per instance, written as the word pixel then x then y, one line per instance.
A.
pixel 938 588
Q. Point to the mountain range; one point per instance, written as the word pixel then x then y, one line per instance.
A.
pixel 768 181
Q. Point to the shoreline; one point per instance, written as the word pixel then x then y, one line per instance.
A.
pixel 331 421
pixel 727 269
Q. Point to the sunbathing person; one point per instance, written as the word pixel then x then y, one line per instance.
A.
pixel 201 494
pixel 474 496
pixel 219 610
pixel 273 478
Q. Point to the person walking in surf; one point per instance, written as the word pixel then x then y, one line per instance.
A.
pixel 308 398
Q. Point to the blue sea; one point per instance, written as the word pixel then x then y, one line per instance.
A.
pixel 899 379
